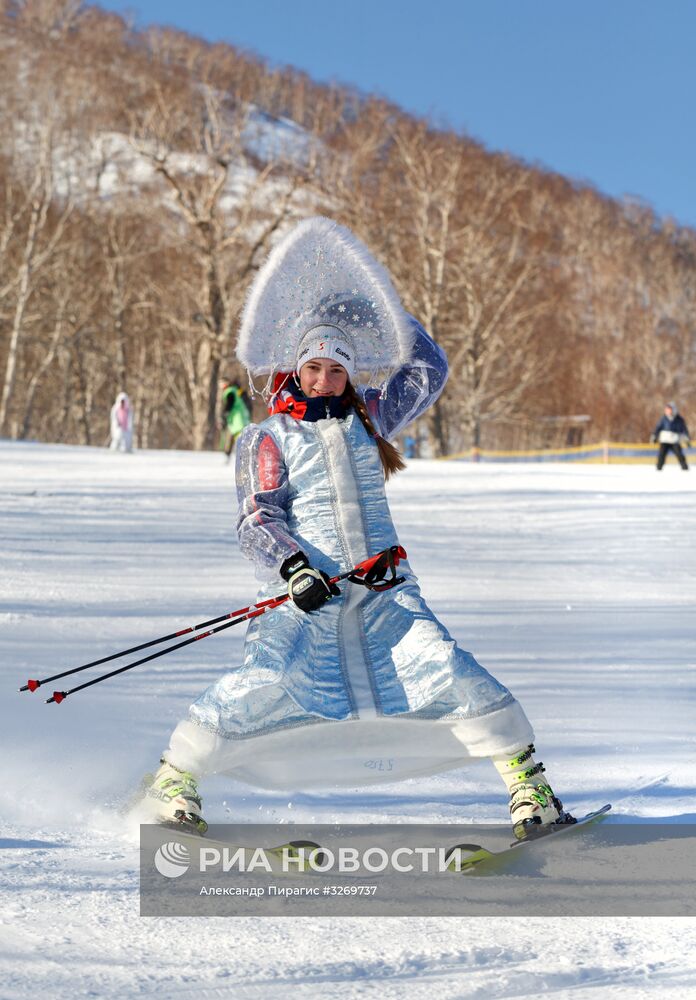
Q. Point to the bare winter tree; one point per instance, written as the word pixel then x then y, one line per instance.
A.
pixel 67 305
pixel 32 230
pixel 223 206
pixel 144 174
pixel 49 18
pixel 501 352
pixel 455 238
pixel 626 306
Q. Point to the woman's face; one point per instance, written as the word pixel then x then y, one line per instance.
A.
pixel 323 377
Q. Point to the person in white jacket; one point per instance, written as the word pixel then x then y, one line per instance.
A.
pixel 122 424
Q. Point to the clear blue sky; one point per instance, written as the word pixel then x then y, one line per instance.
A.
pixel 601 90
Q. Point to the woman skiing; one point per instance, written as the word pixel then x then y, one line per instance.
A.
pixel 358 685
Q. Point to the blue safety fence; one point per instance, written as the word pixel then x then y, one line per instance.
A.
pixel 605 453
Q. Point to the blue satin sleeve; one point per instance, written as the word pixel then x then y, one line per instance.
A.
pixel 411 390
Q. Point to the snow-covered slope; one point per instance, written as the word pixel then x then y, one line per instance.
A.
pixel 573 584
pixel 112 164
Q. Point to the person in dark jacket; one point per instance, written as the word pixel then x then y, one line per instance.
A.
pixel 671 431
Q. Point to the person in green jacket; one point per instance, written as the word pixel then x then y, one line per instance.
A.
pixel 234 413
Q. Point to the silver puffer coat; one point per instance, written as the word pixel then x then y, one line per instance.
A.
pixel 318 487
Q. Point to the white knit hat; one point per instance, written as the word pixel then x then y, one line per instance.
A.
pixel 320 275
pixel 327 341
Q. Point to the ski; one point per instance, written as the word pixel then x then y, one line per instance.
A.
pixel 473 857
pixel 461 859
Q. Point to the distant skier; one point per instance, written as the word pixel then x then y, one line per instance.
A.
pixel 122 424
pixel 352 686
pixel 235 413
pixel 670 433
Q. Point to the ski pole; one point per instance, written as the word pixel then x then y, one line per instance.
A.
pixel 391 557
pixel 361 569
pixel 32 685
pixel 59 696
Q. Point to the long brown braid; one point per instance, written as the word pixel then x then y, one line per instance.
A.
pixel 391 459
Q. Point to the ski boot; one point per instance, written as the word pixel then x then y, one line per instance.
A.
pixel 534 808
pixel 174 795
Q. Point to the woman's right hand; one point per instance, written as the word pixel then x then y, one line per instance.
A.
pixel 308 588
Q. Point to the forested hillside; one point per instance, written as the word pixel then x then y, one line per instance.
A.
pixel 144 175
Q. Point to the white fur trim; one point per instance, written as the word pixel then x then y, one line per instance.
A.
pixel 350 529
pixel 351 753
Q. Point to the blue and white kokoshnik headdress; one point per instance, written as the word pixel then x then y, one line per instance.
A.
pixel 320 282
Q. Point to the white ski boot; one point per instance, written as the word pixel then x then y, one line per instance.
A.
pixel 533 806
pixel 173 796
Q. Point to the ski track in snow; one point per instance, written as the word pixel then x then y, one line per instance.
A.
pixel 573 584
